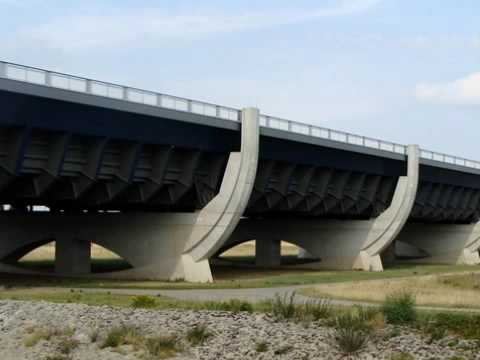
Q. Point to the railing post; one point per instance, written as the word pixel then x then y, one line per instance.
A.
pixel 189 106
pixel 159 100
pixel 310 130
pixel 88 87
pixel 347 138
pixel 329 134
pixel 124 93
pixel 217 111
pixel 48 78
pixel 289 125
pixel 3 70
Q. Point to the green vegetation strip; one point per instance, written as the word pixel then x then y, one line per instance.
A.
pixel 233 277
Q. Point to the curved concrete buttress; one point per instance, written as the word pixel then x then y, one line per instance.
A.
pixel 470 254
pixel 217 220
pixel 388 225
pixel 158 246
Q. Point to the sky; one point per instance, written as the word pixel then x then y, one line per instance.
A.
pixel 401 70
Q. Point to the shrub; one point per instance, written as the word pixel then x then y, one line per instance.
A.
pixel 283 307
pixel 162 346
pixel 123 335
pixel 142 301
pixel 198 334
pixel 399 308
pixel 352 331
pixel 261 347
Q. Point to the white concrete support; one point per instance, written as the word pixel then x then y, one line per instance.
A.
pixel 158 246
pixel 268 253
pixel 343 244
pixel 388 225
pixel 441 243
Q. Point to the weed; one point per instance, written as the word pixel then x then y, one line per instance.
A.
pixel 399 308
pixel 142 301
pixel 352 331
pixel 198 334
pixel 283 307
pixel 317 309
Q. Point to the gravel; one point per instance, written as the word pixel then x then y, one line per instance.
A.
pixel 235 336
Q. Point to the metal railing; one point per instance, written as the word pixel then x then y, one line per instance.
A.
pixel 114 91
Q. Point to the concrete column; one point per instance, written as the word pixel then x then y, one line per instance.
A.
pixel 268 253
pixel 72 256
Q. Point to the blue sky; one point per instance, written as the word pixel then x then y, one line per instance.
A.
pixel 402 70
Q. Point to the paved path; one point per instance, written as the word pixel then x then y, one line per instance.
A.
pixel 250 295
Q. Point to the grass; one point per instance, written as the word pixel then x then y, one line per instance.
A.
pixel 157 347
pixel 67 345
pixel 99 299
pixel 232 271
pixel 37 334
pixel 143 301
pixel 459 290
pixel 162 347
pixel 122 335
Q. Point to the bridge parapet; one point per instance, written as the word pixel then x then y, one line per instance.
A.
pixel 98 88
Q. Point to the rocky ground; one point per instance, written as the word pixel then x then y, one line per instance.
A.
pixel 234 336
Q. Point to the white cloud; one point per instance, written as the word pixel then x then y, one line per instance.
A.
pixel 149 26
pixel 462 91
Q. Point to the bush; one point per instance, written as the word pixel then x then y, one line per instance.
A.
pixel 198 334
pixel 352 330
pixel 283 307
pixel 399 308
pixel 162 347
pixel 145 302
